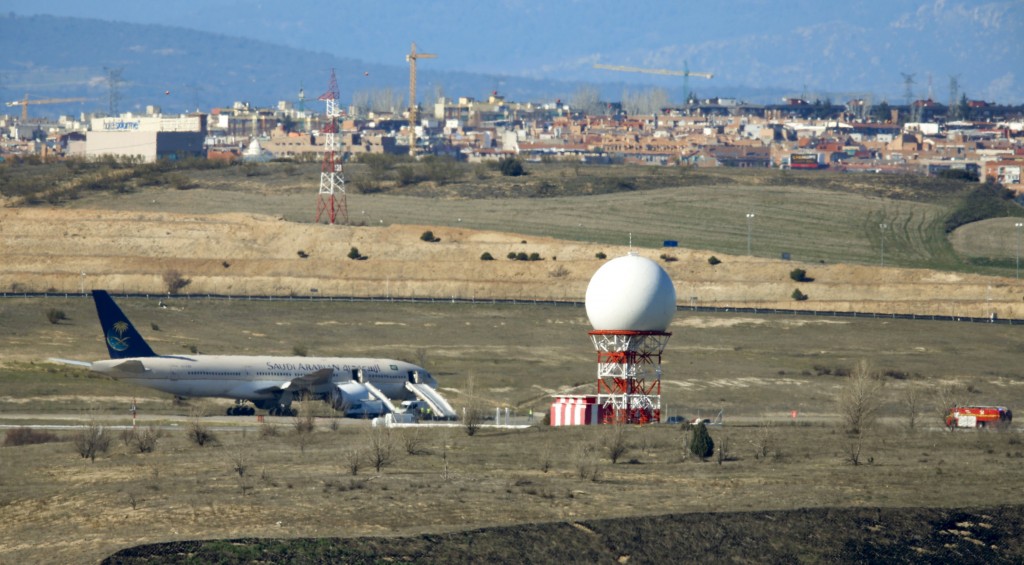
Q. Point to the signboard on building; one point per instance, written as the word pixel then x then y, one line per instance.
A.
pixel 806 161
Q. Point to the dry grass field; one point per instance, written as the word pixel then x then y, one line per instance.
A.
pixel 58 507
pixel 240 230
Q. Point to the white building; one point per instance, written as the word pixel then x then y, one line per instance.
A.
pixel 147 137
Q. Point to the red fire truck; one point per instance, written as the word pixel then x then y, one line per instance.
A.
pixel 978 416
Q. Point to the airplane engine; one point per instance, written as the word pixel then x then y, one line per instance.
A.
pixel 355 401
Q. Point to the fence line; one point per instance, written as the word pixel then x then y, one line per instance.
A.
pixel 520 302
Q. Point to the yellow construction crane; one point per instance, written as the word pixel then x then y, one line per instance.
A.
pixel 686 74
pixel 24 103
pixel 412 57
pixel 653 71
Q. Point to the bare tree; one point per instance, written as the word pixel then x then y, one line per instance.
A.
pixel 765 440
pixel 646 102
pixel 949 395
pixel 380 447
pixel 911 401
pixel 615 440
pixel 860 398
pixel 412 441
pixel 304 426
pixel 587 99
pixel 353 458
pixel 585 461
pixel 92 441
pixel 472 412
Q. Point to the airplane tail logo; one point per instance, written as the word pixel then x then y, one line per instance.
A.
pixel 116 339
pixel 122 339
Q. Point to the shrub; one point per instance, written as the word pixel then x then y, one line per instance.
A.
pixel 429 237
pixel 92 441
pixel 145 442
pixel 668 258
pixel 199 433
pixel 511 167
pixel 701 443
pixel 56 316
pixel 511 255
pixel 441 170
pixel 355 255
pixel 28 436
pixel 600 255
pixel 799 275
pixel 959 174
pixel 714 260
pixel 535 256
pixel 522 256
pixel 175 281
pixel 406 175
pixel 799 296
pixel 558 272
pixel 486 257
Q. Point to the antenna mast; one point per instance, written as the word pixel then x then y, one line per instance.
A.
pixel 332 178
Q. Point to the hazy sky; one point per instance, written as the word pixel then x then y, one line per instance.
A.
pixel 805 44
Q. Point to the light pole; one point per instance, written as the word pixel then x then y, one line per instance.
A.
pixel 1018 225
pixel 882 257
pixel 750 219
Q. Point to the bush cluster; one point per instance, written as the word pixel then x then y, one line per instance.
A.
pixel 28 436
pixel 511 167
pixel 523 256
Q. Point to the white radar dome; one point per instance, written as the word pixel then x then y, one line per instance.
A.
pixel 631 293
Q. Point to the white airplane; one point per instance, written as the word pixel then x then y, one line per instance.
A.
pixel 358 386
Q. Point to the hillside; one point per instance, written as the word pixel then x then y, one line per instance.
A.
pixel 238 253
pixel 245 230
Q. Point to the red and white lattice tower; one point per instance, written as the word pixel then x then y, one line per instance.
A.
pixel 630 303
pixel 332 179
pixel 629 375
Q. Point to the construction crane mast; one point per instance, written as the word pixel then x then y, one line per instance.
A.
pixel 413 107
pixel 24 103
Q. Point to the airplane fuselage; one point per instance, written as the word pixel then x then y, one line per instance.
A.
pixel 259 377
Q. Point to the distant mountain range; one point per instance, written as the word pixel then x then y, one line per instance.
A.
pixel 814 51
pixel 180 70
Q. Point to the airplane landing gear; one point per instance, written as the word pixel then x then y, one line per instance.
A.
pixel 241 410
pixel 283 411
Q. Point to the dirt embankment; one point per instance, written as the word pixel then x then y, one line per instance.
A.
pixel 821 535
pixel 238 253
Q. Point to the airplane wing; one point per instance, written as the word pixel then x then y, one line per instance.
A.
pixel 70 362
pixel 305 382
